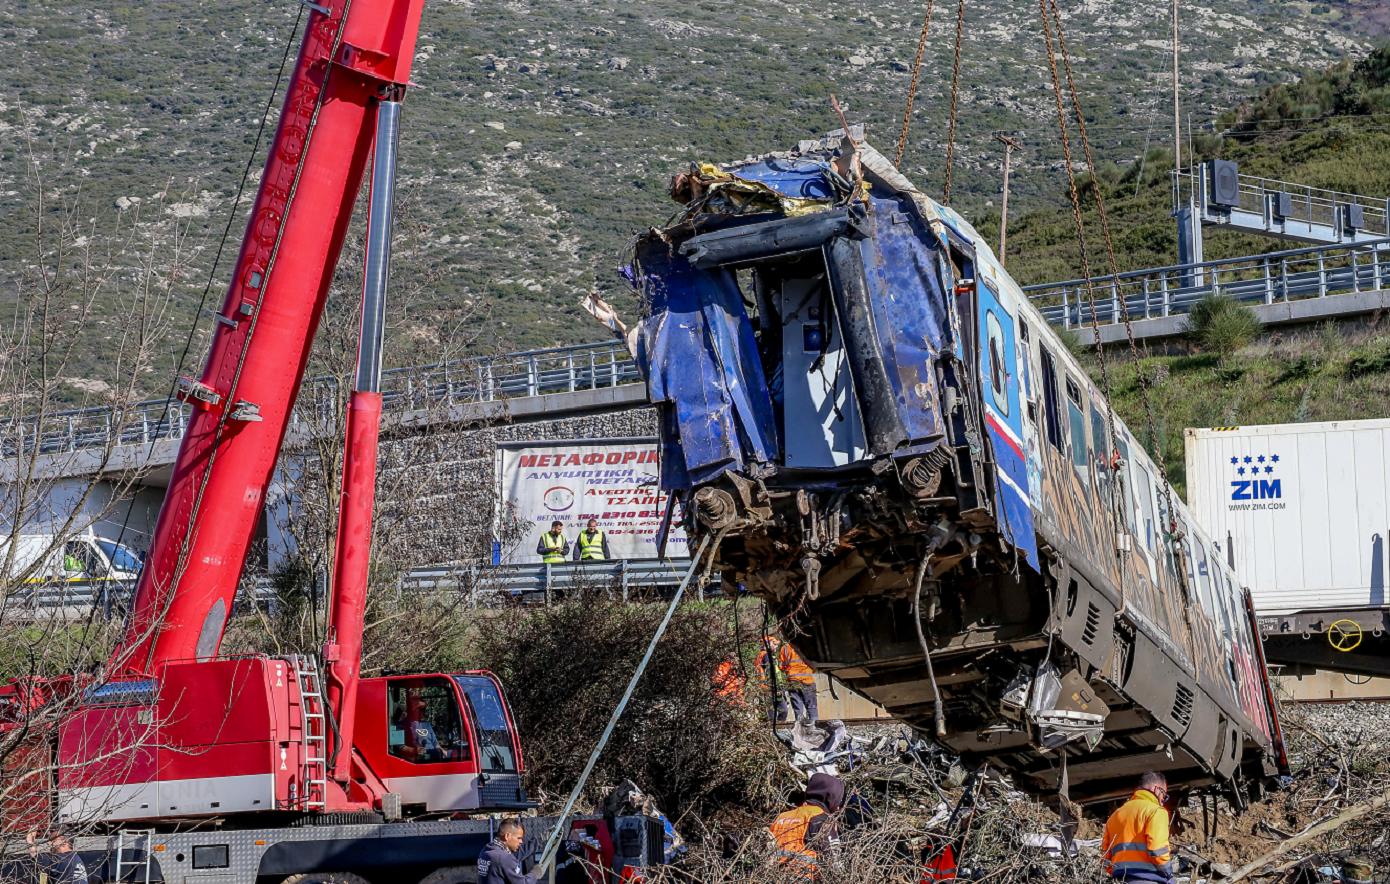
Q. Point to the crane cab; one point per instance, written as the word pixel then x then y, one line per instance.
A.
pixel 444 742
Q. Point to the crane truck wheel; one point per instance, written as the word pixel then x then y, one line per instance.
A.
pixel 452 875
pixel 326 878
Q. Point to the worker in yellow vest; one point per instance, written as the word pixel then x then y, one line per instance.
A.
pixel 591 545
pixel 553 548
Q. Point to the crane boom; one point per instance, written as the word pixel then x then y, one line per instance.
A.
pixel 354 56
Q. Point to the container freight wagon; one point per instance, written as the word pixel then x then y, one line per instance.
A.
pixel 1301 511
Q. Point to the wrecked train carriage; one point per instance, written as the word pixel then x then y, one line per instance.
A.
pixel 862 409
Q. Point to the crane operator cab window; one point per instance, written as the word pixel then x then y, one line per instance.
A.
pixel 496 746
pixel 425 725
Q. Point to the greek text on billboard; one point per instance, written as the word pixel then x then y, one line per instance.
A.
pixel 571 482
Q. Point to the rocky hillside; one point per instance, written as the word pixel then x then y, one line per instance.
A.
pixel 542 132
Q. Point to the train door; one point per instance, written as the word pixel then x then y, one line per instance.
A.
pixel 1032 408
pixel 999 384
pixel 820 412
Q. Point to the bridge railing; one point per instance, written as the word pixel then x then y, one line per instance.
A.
pixel 537 583
pixel 1292 275
pixel 1312 205
pixel 482 379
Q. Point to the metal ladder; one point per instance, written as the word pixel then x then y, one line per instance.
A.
pixel 315 730
pixel 122 864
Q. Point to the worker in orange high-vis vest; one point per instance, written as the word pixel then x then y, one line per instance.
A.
pixel 803 833
pixel 793 677
pixel 1135 846
pixel 728 681
pixel 938 859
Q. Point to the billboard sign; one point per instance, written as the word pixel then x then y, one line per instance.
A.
pixel 574 480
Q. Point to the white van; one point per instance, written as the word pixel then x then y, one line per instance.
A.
pixel 86 556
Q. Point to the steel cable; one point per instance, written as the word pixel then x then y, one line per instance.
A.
pixel 552 844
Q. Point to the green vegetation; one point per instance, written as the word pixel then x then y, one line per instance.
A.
pixel 136 100
pixel 1221 324
pixel 1348 88
pixel 1324 373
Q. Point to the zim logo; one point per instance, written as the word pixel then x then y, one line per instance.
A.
pixel 1261 484
pixel 1256 489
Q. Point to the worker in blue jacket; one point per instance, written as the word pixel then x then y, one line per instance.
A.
pixel 498 863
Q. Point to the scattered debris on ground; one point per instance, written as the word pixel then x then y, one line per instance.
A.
pixel 1332 811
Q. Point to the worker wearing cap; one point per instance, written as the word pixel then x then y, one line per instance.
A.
pixel 553 548
pixel 1135 846
pixel 803 832
pixel 591 545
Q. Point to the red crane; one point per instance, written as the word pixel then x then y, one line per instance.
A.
pixel 177 733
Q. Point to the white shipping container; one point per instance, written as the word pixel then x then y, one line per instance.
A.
pixel 1300 509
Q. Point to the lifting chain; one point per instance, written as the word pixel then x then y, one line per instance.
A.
pixel 955 94
pixel 1115 271
pixel 912 90
pixel 1080 231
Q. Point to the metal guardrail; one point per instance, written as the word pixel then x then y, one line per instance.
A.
pixel 619 577
pixel 535 583
pixel 482 379
pixel 1309 205
pixel 1296 274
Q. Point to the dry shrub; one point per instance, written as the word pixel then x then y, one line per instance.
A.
pixel 565 667
pixel 878 852
pixel 887 850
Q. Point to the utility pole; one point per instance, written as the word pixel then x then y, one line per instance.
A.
pixel 1177 121
pixel 1009 145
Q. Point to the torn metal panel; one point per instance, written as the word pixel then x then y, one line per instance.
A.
pixel 700 360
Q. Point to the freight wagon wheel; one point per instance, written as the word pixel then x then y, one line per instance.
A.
pixel 452 875
pixel 326 878
pixel 1344 635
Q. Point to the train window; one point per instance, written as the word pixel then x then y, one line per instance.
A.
pixel 1204 584
pixel 1233 616
pixel 1126 490
pixel 1080 452
pixel 1098 444
pixel 1143 487
pixel 998 371
pixel 1051 413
